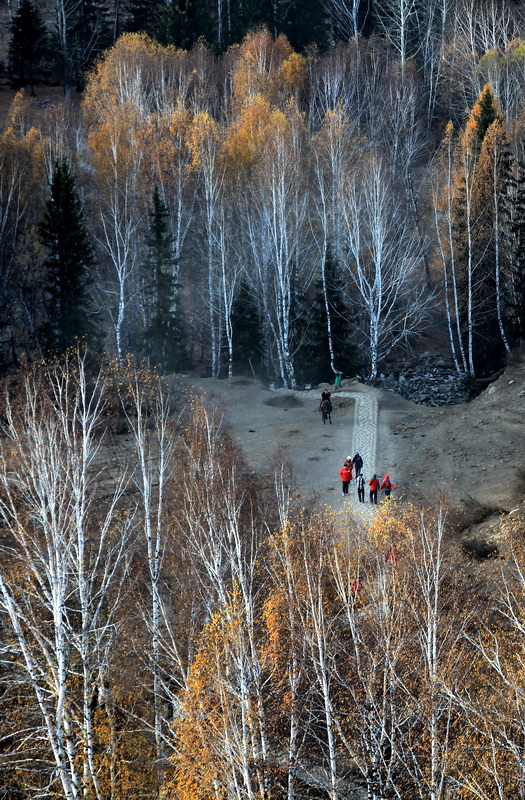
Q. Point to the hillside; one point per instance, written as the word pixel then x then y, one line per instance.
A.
pixel 472 454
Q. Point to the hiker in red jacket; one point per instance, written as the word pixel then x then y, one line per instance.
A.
pixel 374 486
pixel 345 473
pixel 387 486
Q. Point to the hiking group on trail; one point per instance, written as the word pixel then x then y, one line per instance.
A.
pixel 346 473
pixel 375 486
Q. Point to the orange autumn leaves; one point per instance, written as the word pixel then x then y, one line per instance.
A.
pixel 131 107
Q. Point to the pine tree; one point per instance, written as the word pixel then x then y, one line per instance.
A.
pixel 248 14
pixel 247 333
pixel 305 22
pixel 484 113
pixel 28 45
pixel 90 36
pixel 516 244
pixel 68 265
pixel 314 356
pixel 164 341
pixel 143 16
pixel 183 22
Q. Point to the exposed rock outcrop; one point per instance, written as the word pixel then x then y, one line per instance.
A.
pixel 428 381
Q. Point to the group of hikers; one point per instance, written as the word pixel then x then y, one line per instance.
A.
pixel 346 474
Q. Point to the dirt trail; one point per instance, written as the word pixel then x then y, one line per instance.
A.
pixel 264 421
pixel 473 452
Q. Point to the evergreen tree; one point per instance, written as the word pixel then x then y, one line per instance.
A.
pixel 305 22
pixel 247 333
pixel 164 341
pixel 28 45
pixel 314 356
pixel 183 22
pixel 485 112
pixel 67 266
pixel 254 13
pixel 143 16
pixel 90 36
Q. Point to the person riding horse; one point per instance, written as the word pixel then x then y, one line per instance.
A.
pixel 325 407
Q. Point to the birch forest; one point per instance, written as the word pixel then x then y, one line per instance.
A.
pixel 275 190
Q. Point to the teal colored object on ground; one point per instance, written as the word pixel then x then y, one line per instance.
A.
pixel 338 379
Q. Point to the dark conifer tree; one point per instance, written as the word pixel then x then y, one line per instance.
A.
pixel 163 337
pixel 248 14
pixel 485 111
pixel 516 247
pixel 247 333
pixel 143 16
pixel 68 265
pixel 90 36
pixel 314 356
pixel 305 22
pixel 183 22
pixel 28 46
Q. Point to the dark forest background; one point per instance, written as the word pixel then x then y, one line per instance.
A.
pixel 278 189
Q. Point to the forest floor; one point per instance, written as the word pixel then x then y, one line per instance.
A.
pixel 472 455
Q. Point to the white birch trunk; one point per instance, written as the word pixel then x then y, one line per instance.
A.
pixel 61 616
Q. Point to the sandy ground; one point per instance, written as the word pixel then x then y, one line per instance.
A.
pixel 472 453
pixel 268 423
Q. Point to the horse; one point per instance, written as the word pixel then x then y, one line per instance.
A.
pixel 326 410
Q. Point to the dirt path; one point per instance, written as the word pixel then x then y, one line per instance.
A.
pixel 266 421
pixel 473 452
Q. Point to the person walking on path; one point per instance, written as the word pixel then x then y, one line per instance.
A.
pixel 358 464
pixel 387 486
pixel 345 473
pixel 374 486
pixel 360 479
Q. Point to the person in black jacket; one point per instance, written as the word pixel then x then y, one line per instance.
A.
pixel 358 464
pixel 361 488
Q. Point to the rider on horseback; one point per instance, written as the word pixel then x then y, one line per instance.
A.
pixel 326 402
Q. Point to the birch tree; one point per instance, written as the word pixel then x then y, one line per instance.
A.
pixel 399 20
pixel 492 700
pixel 286 647
pixel 318 624
pixel 146 406
pixel 345 15
pixel 437 630
pixel 65 563
pixel 117 156
pixel 227 674
pixel 274 208
pixel 371 664
pixel 135 82
pixel 383 265
pixel 120 217
pixel 205 144
pixel 334 152
pixel 445 193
